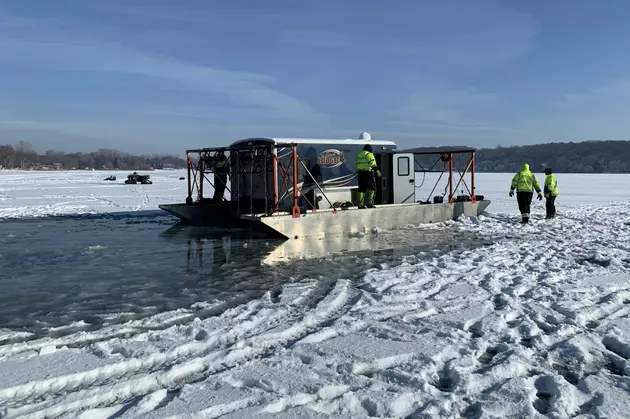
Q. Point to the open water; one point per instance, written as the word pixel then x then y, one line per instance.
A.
pixel 56 271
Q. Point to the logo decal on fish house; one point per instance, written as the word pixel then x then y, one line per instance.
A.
pixel 330 158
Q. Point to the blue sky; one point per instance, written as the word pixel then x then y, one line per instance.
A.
pixel 161 76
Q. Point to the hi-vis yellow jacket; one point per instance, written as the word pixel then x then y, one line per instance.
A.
pixel 551 186
pixel 366 161
pixel 525 181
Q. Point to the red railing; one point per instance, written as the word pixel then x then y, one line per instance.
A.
pixel 285 174
pixel 451 169
pixel 286 184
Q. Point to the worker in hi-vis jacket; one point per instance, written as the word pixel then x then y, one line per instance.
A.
pixel 366 169
pixel 551 192
pixel 221 171
pixel 525 182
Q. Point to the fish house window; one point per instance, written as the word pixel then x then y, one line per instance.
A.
pixel 403 166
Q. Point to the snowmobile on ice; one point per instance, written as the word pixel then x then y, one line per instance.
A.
pixel 135 178
pixel 111 178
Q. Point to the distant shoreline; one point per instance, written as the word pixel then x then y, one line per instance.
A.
pixel 184 168
pixel 93 170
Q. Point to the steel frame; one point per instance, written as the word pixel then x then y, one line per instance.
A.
pixel 285 175
pixel 197 171
pixel 448 164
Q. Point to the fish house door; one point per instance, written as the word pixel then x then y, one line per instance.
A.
pixel 404 179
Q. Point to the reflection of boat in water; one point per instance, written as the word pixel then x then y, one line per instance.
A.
pixel 210 247
pixel 380 245
pixel 207 247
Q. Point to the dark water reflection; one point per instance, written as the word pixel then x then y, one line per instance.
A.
pixel 55 271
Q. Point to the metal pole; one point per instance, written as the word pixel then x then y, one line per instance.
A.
pixel 435 186
pixel 202 159
pixel 251 185
pixel 461 176
pixel 473 196
pixel 450 178
pixel 296 209
pixel 265 177
pixel 275 179
pixel 189 199
pixel 318 187
pixel 238 183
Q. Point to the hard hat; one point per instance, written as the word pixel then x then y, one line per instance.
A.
pixel 365 136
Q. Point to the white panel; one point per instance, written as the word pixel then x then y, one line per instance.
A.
pixel 404 179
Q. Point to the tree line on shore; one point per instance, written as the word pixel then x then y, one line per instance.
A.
pixel 23 156
pixel 582 157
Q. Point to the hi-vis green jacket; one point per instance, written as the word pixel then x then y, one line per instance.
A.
pixel 525 181
pixel 366 161
pixel 551 186
pixel 222 166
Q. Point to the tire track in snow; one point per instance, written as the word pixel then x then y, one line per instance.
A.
pixel 140 328
pixel 274 406
pixel 249 315
pixel 220 338
pixel 183 371
pixel 221 409
pixel 133 328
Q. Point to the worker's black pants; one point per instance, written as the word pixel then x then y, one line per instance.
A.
pixel 550 206
pixel 307 199
pixel 366 181
pixel 220 182
pixel 524 200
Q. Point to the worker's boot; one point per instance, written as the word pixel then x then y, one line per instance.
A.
pixel 370 203
pixel 360 199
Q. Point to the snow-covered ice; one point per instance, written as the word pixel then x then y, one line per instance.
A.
pixel 33 194
pixel 535 323
pixel 36 194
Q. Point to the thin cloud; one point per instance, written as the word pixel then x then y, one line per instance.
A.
pixel 165 49
pixel 51 46
pixel 614 90
pixel 440 34
pixel 316 38
pixel 435 106
pixel 175 13
pixel 234 88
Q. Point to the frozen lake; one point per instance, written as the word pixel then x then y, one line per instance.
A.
pixel 124 316
pixel 32 194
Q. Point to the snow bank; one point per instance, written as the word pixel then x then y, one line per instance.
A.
pixel 536 324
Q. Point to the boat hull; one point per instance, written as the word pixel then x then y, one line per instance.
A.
pixel 206 214
pixel 216 216
pixel 355 221
pixel 327 222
